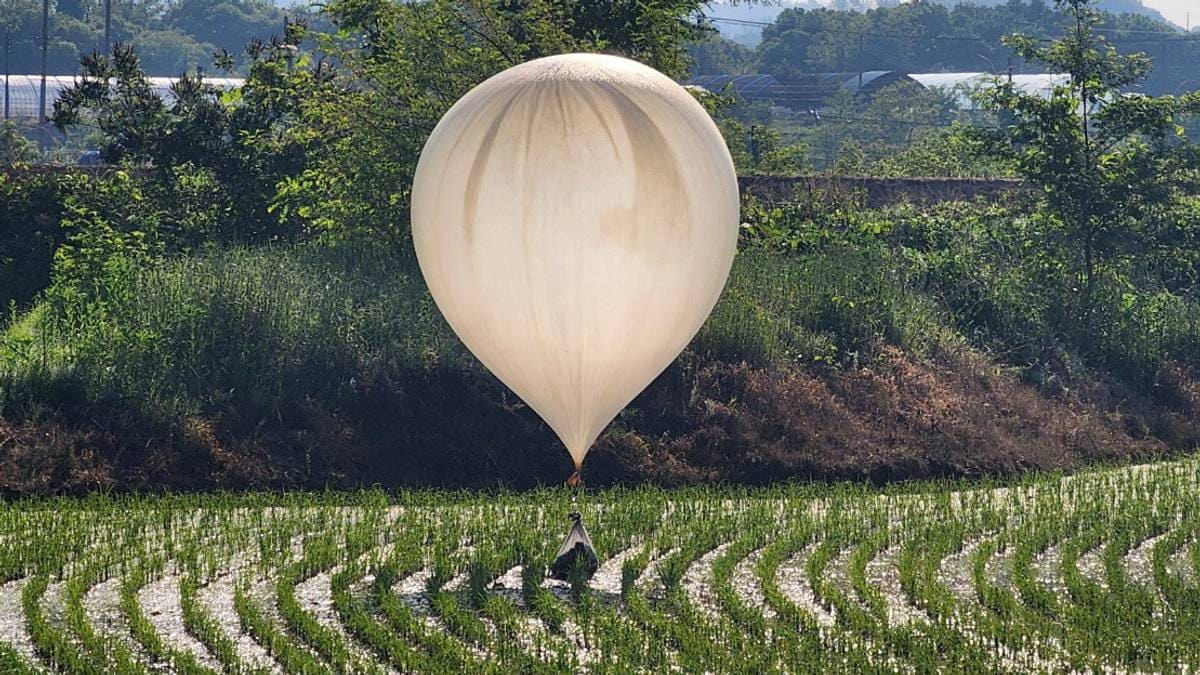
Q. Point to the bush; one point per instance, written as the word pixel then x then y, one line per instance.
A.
pixel 307 363
pixel 79 226
pixel 825 308
pixel 30 210
pixel 1005 280
pixel 858 335
pixel 243 326
pixel 313 358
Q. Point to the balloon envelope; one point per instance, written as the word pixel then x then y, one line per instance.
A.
pixel 575 218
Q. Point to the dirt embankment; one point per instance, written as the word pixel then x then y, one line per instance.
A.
pixel 899 418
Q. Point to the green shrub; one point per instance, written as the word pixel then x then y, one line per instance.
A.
pixel 247 327
pixel 30 210
pixel 1006 280
pixel 823 308
pixel 81 228
pixel 1000 275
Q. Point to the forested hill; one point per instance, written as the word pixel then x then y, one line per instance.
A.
pixel 170 35
pixel 927 37
pixel 175 35
pixel 768 12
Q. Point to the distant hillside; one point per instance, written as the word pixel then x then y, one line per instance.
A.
pixel 1116 6
pixel 169 37
pixel 751 35
pixel 928 37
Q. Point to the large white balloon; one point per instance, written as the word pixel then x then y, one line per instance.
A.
pixel 575 218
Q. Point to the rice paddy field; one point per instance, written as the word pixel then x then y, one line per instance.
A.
pixel 1090 572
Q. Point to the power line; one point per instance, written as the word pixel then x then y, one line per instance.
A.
pixel 893 121
pixel 45 44
pixel 1171 36
pixel 748 22
pixel 1177 34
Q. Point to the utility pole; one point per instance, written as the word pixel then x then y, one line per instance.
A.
pixel 107 27
pixel 45 47
pixel 7 47
pixel 860 62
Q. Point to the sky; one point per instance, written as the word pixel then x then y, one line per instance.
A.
pixel 1177 10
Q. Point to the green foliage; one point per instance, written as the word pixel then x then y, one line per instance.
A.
pixel 251 325
pixel 851 159
pixel 956 152
pixel 247 330
pixel 220 155
pixel 1001 276
pixel 415 60
pixel 1009 282
pixel 1112 168
pixel 68 226
pixel 826 310
pixel 30 210
pixel 14 147
pixel 902 129
pixel 95 266
pixel 898 115
pixel 244 278
pixel 755 145
pixel 910 37
pixel 715 54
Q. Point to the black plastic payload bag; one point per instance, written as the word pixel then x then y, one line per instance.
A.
pixel 576 549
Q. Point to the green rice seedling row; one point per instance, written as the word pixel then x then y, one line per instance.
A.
pixel 1093 571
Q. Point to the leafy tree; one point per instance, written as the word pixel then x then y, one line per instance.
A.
pixel 1111 167
pixel 406 64
pixel 231 146
pixel 715 54
pixel 757 147
pixel 833 126
pixel 955 151
pixel 14 147
pixel 851 159
pixel 170 52
pixel 226 24
pixel 29 234
pixel 875 128
pixel 901 113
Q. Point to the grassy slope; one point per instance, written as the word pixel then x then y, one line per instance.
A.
pixel 314 367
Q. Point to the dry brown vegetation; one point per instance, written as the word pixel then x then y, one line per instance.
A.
pixel 898 417
pixel 954 414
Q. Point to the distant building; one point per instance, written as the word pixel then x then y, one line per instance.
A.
pixel 24 92
pixel 963 85
pixel 807 93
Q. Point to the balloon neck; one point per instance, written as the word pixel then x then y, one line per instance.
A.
pixel 575 480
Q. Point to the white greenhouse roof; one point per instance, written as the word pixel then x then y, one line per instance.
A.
pixel 951 80
pixel 24 91
pixel 1036 83
pixel 963 84
pixel 1040 84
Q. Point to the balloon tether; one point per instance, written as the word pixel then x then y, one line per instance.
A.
pixel 575 484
